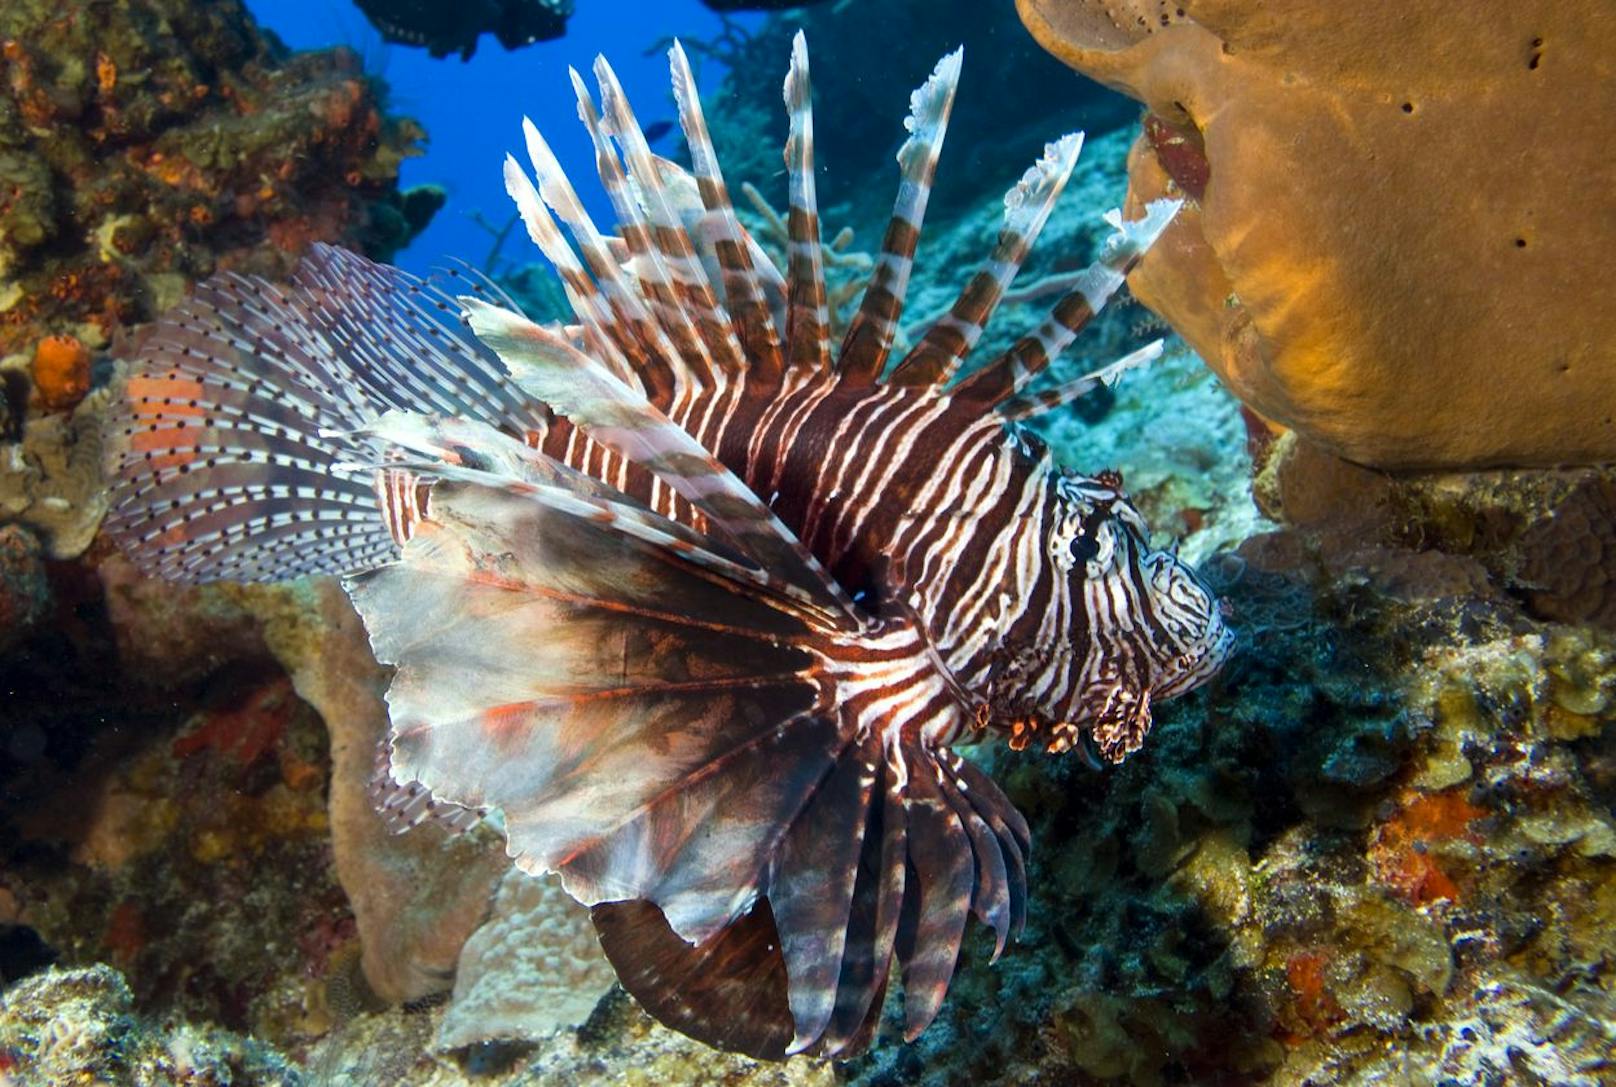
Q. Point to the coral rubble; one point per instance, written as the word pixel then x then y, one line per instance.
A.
pixel 1402 216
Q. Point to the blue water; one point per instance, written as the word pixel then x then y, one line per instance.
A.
pixel 472 110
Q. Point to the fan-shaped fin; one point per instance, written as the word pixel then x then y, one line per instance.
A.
pixel 870 335
pixel 238 401
pixel 728 991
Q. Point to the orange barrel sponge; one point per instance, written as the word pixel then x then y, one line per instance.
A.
pixel 1401 235
pixel 61 372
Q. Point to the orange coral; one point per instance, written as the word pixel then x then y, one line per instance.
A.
pixel 61 372
pixel 247 730
pixel 106 73
pixel 1401 851
pixel 1403 223
pixel 1315 1007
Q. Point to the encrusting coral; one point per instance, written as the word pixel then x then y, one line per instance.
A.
pixel 147 143
pixel 78 1026
pixel 1400 221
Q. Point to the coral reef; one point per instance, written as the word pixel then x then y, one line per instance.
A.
pixel 455 28
pixel 533 968
pixel 24 595
pixel 1546 537
pixel 414 897
pixel 1394 239
pixel 61 372
pixel 79 1026
pixel 148 143
pixel 50 479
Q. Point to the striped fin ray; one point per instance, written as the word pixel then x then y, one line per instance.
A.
pixel 641 337
pixel 1020 408
pixel 644 261
pixel 869 337
pixel 646 729
pixel 220 446
pixel 601 328
pixel 883 865
pixel 461 452
pixel 401 339
pixel 807 306
pixel 721 350
pixel 1010 373
pixel 938 355
pixel 619 418
pixel 887 864
pixel 405 805
pixel 743 291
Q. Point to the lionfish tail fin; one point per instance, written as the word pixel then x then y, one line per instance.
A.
pixel 243 398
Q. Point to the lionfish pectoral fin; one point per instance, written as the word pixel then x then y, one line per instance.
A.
pixel 894 849
pixel 641 714
pixel 244 397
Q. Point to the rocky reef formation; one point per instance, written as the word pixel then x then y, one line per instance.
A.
pixel 1400 219
pixel 145 144
pixel 80 1026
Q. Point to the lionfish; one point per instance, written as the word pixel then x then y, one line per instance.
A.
pixel 698 605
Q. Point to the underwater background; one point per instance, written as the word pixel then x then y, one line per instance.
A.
pixel 1380 847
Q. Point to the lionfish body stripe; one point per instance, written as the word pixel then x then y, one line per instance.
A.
pixel 695 602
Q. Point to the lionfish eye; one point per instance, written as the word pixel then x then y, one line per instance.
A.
pixel 1085 548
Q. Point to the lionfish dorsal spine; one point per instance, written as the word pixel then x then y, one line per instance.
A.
pixel 717 350
pixel 937 357
pixel 743 290
pixel 583 292
pixel 630 324
pixel 807 308
pixel 1091 288
pixel 615 415
pixel 870 335
pixel 666 375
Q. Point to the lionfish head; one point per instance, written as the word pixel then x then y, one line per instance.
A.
pixel 1154 629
